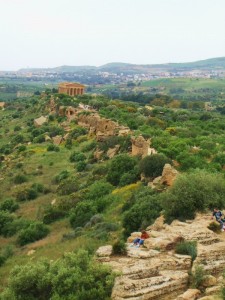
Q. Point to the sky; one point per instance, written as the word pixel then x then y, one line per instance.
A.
pixel 51 33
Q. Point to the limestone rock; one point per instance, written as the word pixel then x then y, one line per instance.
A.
pixel 213 290
pixel 140 146
pixel 98 154
pixel 40 121
pixel 47 138
pixel 70 113
pixel 31 252
pixel 104 251
pixel 169 174
pixel 57 139
pixel 113 151
pixel 61 111
pixel 209 281
pixel 190 294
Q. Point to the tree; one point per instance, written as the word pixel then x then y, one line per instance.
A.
pixel 193 192
pixel 75 276
pixel 152 166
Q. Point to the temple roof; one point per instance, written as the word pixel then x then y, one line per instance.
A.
pixel 71 85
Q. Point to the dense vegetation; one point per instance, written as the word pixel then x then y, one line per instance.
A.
pixel 61 198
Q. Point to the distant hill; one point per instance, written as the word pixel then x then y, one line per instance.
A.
pixel 117 67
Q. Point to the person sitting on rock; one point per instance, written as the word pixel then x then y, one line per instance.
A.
pixel 140 240
pixel 218 215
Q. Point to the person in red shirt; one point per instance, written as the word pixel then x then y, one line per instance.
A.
pixel 140 240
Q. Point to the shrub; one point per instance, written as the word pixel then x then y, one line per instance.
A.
pixel 187 248
pixel 5 219
pixel 98 189
pixel 53 147
pixel 9 205
pixel 193 192
pixel 152 166
pixel 82 213
pixel 68 186
pixel 26 194
pixel 81 166
pixel 85 278
pixel 78 131
pixel 77 156
pixel 142 214
pixel 22 148
pixel 215 227
pixel 34 232
pixel 198 276
pixel 19 179
pixel 119 247
pixel 118 166
pixel 52 213
pixel 62 175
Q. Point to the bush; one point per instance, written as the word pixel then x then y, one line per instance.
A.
pixel 62 175
pixel 119 247
pixel 81 166
pixel 68 186
pixel 197 277
pixel 142 213
pixel 34 232
pixel 98 189
pixel 53 148
pixel 26 194
pixel 152 166
pixel 19 179
pixel 5 219
pixel 118 166
pixel 77 156
pixel 52 213
pixel 82 213
pixel 187 248
pixel 215 227
pixel 193 192
pixel 9 205
pixel 85 279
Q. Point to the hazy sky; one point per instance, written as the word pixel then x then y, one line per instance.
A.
pixel 49 33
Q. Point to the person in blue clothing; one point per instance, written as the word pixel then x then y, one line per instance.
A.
pixel 218 215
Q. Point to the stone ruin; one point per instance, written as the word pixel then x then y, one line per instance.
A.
pixel 141 147
pixel 156 272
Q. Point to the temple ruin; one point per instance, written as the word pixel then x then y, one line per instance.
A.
pixel 71 88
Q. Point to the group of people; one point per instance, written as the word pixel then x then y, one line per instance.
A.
pixel 219 218
pixel 217 214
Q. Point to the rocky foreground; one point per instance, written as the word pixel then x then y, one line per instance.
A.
pixel 157 272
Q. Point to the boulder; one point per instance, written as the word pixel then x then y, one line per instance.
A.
pixel 104 251
pixel 169 174
pixel 40 121
pixel 113 151
pixel 209 281
pixel 57 139
pixel 98 154
pixel 190 294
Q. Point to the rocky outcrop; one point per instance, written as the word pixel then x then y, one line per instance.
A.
pixel 156 272
pixel 101 127
pixel 52 106
pixel 140 146
pixel 169 174
pixel 57 140
pixel 113 151
pixel 70 113
pixel 40 121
